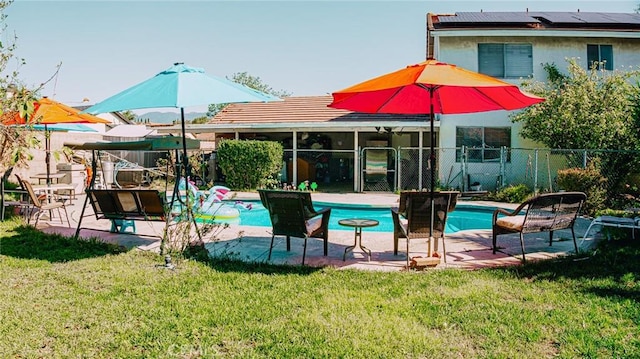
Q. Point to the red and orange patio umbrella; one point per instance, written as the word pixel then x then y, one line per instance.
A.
pixel 49 112
pixel 429 88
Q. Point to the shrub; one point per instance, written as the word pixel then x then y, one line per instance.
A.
pixel 588 180
pixel 250 164
pixel 512 194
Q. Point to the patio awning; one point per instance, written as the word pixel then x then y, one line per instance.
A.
pixel 403 126
pixel 130 131
pixel 152 144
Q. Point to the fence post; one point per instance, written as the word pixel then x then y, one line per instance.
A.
pixel 394 155
pixel 535 171
pixel 420 144
pixel 399 167
pixel 463 164
pixel 461 170
pixel 584 159
pixel 503 160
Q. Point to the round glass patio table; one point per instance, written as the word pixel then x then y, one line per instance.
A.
pixel 358 224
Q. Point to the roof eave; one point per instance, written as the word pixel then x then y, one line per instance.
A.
pixel 535 33
pixel 301 126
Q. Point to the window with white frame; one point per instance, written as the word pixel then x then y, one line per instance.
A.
pixel 505 60
pixel 482 144
pixel 600 55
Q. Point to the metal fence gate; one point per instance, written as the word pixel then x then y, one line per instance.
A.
pixel 378 167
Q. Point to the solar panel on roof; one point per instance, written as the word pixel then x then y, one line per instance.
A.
pixel 588 17
pixel 490 17
pixel 548 17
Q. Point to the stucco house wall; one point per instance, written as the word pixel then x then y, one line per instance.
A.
pixel 549 46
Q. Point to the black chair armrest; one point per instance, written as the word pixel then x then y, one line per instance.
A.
pixel 316 213
pixel 325 212
pixel 322 211
pixel 515 212
pixel 500 211
pixel 396 211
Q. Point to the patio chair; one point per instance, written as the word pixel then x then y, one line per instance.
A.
pixel 19 201
pixel 292 215
pixel 40 207
pixel 412 218
pixel 547 212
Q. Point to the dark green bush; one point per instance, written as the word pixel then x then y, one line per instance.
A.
pixel 588 180
pixel 512 194
pixel 250 164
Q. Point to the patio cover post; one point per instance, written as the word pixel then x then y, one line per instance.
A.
pixel 356 163
pixel 294 165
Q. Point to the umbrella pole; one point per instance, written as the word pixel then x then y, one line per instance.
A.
pixel 432 162
pixel 432 157
pixel 185 162
pixel 185 158
pixel 47 150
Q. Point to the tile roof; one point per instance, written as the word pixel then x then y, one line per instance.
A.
pixel 298 109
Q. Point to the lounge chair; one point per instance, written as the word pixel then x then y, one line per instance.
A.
pixel 615 222
pixel 412 218
pixel 292 215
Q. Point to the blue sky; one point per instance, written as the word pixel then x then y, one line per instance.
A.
pixel 303 47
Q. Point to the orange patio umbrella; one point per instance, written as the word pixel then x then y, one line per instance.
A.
pixel 48 112
pixel 429 88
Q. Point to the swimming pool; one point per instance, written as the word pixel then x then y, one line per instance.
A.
pixel 463 218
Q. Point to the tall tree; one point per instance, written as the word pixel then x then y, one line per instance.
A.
pixel 588 109
pixel 15 98
pixel 254 82
pixel 200 120
pixel 129 115
pixel 593 109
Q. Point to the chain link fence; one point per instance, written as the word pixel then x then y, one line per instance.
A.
pixel 466 169
pixel 470 169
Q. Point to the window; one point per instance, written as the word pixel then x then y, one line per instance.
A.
pixel 483 143
pixel 505 60
pixel 599 55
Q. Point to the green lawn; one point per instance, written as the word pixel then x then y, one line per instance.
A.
pixel 66 298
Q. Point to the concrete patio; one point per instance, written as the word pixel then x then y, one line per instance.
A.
pixel 470 249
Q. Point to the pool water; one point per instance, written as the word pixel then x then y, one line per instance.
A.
pixel 463 218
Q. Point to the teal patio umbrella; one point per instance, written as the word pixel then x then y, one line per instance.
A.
pixel 180 86
pixel 76 127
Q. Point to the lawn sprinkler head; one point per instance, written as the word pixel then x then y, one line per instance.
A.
pixel 167 262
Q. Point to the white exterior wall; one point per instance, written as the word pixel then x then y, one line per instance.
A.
pixel 463 51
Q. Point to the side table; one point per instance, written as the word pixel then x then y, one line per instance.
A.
pixel 358 224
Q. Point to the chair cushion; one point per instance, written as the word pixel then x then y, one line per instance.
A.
pixel 314 224
pixel 52 205
pixel 514 223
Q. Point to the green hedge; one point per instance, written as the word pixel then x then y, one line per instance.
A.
pixel 588 180
pixel 512 194
pixel 250 164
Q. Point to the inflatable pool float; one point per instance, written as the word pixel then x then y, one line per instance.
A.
pixel 214 206
pixel 217 212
